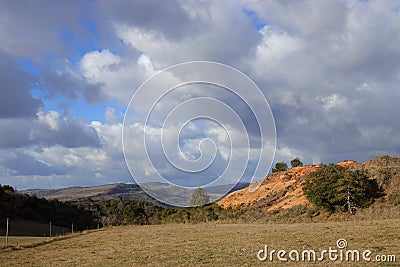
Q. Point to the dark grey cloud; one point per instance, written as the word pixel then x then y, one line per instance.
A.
pixel 71 86
pixel 37 29
pixel 219 31
pixel 167 18
pixel 18 163
pixel 48 34
pixel 15 96
pixel 48 129
pixel 331 77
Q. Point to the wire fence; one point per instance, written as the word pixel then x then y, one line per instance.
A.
pixel 20 233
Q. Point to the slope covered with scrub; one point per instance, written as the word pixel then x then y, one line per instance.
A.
pixel 283 190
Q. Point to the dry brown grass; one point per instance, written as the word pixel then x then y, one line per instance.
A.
pixel 208 244
pixel 21 241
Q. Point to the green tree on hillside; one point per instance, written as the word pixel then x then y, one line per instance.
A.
pixel 8 188
pixel 357 190
pixel 199 197
pixel 334 187
pixel 296 163
pixel 280 166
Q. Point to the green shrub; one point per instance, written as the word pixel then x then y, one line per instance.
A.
pixel 199 197
pixel 334 188
pixel 296 163
pixel 394 199
pixel 280 166
pixel 296 211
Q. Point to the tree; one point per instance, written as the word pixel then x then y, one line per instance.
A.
pixel 280 166
pixel 332 187
pixel 296 163
pixel 8 188
pixel 199 197
pixel 320 186
pixel 355 189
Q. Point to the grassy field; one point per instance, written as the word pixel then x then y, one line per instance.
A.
pixel 209 244
pixel 21 241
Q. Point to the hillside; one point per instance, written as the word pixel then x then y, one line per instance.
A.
pixel 102 192
pixel 277 190
pixel 284 189
pixel 127 191
pixel 23 207
pixel 30 228
pixel 29 215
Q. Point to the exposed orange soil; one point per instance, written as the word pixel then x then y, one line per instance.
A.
pixel 277 190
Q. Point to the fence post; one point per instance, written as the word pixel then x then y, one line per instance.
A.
pixel 7 233
pixel 50 230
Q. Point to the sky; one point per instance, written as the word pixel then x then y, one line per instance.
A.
pixel 330 71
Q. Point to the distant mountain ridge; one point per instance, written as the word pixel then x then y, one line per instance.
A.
pixel 101 192
pixel 126 191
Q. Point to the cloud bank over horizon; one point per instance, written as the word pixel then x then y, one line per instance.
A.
pixel 330 71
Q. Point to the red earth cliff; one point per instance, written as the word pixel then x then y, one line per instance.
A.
pixel 278 190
